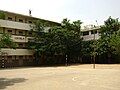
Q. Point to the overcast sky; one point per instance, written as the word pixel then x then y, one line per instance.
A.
pixel 88 11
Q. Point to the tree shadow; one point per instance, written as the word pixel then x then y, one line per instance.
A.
pixel 4 82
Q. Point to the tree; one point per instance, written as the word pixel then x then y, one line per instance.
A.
pixel 115 43
pixel 2 15
pixel 74 26
pixel 6 41
pixel 77 26
pixel 86 50
pixel 61 40
pixel 38 39
pixel 69 39
pixel 110 27
pixel 89 48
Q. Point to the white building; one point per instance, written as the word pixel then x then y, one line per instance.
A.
pixel 19 27
pixel 89 31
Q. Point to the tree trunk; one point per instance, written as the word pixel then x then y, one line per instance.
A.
pixel 81 60
pixel 109 58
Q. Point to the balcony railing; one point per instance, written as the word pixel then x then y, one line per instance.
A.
pixel 20 38
pixel 91 37
pixel 15 25
pixel 17 51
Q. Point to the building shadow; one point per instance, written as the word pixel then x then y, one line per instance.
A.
pixel 4 82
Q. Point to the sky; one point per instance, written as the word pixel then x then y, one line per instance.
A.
pixel 88 11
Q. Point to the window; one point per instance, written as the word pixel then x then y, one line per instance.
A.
pixel 20 57
pixel 30 58
pixel 20 33
pixel 9 18
pixel 9 31
pixel 30 40
pixel 20 20
pixel 30 21
pixel 30 34
pixel 9 59
pixel 86 33
pixel 94 32
pixel 20 45
pixel 27 57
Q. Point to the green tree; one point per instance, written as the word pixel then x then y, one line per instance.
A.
pixel 2 15
pixel 74 26
pixel 86 50
pixel 36 43
pixel 77 26
pixel 115 43
pixel 61 40
pixel 110 27
pixel 6 41
pixel 89 48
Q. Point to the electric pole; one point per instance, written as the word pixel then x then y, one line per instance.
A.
pixel 94 52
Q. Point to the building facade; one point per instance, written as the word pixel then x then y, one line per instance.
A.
pixel 18 26
pixel 90 32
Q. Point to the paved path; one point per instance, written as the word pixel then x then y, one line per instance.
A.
pixel 81 77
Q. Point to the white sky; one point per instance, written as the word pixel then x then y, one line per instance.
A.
pixel 88 11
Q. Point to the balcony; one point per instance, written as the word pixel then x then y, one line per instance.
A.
pixel 17 51
pixel 15 25
pixel 17 38
pixel 90 37
pixel 20 38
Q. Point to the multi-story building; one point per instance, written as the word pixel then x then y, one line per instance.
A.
pixel 19 27
pixel 90 32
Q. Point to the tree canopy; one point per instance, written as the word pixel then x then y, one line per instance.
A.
pixel 60 40
pixel 6 41
pixel 110 27
pixel 66 39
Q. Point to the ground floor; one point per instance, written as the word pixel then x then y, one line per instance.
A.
pixel 16 61
pixel 80 77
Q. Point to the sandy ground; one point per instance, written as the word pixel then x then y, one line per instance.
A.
pixel 77 77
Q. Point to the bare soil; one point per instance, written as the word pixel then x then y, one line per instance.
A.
pixel 76 77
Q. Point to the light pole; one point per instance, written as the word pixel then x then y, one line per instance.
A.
pixel 94 52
